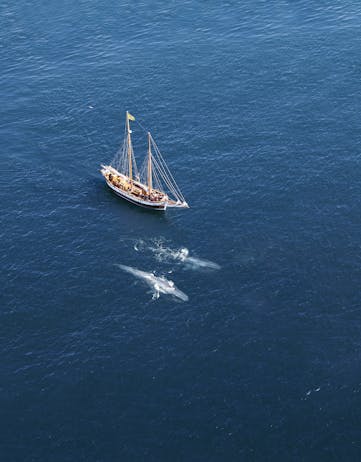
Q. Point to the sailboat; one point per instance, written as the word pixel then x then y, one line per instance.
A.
pixel 152 186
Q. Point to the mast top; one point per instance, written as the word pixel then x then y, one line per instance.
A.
pixel 130 116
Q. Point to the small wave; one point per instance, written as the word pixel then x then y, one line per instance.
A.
pixel 158 284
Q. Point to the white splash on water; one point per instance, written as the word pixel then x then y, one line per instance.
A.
pixel 158 284
pixel 139 245
pixel 314 390
pixel 164 253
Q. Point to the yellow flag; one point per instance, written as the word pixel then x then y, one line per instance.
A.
pixel 130 117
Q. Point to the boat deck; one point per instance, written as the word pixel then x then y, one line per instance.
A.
pixel 136 192
pixel 135 188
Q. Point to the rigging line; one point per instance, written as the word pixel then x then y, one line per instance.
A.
pixel 162 184
pixel 162 173
pixel 141 126
pixel 143 167
pixel 172 185
pixel 118 157
pixel 163 169
pixel 157 181
pixel 166 181
pixel 166 166
pixel 124 160
pixel 166 169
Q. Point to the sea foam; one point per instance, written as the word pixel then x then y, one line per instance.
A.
pixel 165 253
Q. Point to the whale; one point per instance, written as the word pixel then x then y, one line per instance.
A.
pixel 158 284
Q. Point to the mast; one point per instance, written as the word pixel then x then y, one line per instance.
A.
pixel 149 165
pixel 129 147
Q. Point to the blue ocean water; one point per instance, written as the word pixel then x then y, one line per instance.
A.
pixel 256 107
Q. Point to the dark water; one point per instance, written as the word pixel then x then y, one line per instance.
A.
pixel 256 106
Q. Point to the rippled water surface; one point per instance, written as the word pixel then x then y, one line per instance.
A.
pixel 256 107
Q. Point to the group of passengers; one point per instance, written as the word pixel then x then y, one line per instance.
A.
pixel 153 196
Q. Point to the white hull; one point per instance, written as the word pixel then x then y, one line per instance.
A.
pixel 161 205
